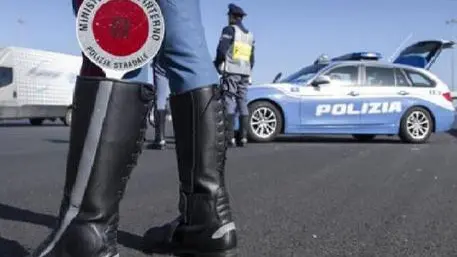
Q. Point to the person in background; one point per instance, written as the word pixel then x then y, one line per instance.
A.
pixel 160 105
pixel 107 134
pixel 235 61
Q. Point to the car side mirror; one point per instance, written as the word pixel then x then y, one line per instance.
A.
pixel 321 80
pixel 277 77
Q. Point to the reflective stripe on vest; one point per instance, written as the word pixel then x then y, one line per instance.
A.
pixel 238 58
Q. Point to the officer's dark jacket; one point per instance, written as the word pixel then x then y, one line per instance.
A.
pixel 76 4
pixel 226 41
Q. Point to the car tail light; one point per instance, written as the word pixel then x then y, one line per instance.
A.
pixel 448 96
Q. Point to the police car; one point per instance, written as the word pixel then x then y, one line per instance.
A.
pixel 357 94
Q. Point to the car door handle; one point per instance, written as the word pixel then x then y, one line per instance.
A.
pixel 403 93
pixel 353 93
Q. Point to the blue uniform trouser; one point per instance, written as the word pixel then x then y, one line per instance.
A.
pixel 185 53
pixel 162 86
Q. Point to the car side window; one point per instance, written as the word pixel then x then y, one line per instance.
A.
pixel 344 76
pixel 6 76
pixel 418 79
pixel 379 77
pixel 400 79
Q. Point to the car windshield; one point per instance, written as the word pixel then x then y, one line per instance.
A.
pixel 304 75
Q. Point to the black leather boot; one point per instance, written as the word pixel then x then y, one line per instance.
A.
pixel 230 131
pixel 159 130
pixel 107 133
pixel 205 227
pixel 244 123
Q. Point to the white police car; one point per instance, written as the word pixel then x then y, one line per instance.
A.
pixel 357 94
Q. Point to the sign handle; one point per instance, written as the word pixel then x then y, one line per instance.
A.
pixel 114 74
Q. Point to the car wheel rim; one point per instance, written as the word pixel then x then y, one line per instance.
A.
pixel 151 117
pixel 418 125
pixel 263 122
pixel 70 113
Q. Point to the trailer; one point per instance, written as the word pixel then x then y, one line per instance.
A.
pixel 37 85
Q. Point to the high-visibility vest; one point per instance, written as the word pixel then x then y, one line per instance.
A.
pixel 238 57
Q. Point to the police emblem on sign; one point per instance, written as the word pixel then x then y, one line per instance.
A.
pixel 120 28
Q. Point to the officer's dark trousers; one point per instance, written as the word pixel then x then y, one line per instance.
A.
pixel 236 87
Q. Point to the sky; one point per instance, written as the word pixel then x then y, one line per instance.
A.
pixel 289 34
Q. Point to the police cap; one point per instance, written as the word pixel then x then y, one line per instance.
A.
pixel 235 10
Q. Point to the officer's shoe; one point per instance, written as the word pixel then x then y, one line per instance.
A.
pixel 106 137
pixel 244 123
pixel 158 145
pixel 205 227
pixel 160 119
pixel 230 122
pixel 232 142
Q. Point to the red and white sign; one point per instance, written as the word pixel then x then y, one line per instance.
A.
pixel 120 35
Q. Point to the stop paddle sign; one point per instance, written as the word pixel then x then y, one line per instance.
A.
pixel 119 35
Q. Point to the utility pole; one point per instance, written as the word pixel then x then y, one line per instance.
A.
pixel 452 22
pixel 20 31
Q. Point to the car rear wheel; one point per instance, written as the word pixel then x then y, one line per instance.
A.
pixel 36 121
pixel 68 116
pixel 265 121
pixel 363 137
pixel 416 126
pixel 151 117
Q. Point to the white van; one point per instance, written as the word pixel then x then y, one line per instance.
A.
pixel 36 84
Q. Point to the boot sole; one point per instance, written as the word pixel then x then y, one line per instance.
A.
pixel 230 253
pixel 66 254
pixel 170 252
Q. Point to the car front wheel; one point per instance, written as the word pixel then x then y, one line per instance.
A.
pixel 265 121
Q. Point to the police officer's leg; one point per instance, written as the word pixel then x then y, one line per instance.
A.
pixel 205 226
pixel 229 86
pixel 243 109
pixel 160 112
pixel 107 131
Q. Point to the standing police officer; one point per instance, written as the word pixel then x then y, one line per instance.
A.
pixel 234 61
pixel 160 111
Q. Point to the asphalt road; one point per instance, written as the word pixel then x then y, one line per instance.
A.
pixel 312 196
